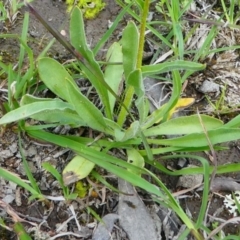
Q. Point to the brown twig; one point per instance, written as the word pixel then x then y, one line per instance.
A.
pixel 219 228
pixel 213 23
pixel 56 34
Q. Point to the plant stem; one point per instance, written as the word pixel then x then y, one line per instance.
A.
pixel 142 33
pixel 130 90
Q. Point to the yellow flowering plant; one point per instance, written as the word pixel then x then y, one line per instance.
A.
pixel 90 8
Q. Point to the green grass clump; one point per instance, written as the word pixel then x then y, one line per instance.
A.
pixel 90 8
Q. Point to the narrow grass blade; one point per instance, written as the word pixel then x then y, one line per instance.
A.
pixel 108 33
pixel 149 70
pixel 17 180
pixel 21 232
pixel 183 125
pixel 27 169
pixel 216 136
pixel 112 164
pixel 48 167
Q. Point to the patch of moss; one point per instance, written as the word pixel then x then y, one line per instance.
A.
pixel 90 8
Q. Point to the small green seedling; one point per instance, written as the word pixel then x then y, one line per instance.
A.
pixel 66 191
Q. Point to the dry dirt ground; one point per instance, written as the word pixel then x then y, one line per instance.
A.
pixel 56 218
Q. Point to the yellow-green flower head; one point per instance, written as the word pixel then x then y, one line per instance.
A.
pixel 90 8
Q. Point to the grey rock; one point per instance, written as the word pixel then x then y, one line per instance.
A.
pixel 210 87
pixel 31 151
pixel 8 199
pixel 134 217
pixel 189 181
pixel 6 153
pixel 13 148
pixel 103 231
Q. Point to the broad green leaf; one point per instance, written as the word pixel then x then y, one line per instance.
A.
pixel 234 123
pixel 35 108
pixel 180 104
pixel 195 140
pixel 89 65
pixel 129 42
pixel 86 109
pixel 27 98
pixel 148 70
pixel 77 169
pixel 54 75
pixel 113 72
pixel 184 125
pixel 135 80
pixel 58 80
pixel 62 117
pixel 78 36
pixel 135 158
pixel 140 3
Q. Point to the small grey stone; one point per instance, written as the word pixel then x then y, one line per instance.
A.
pixel 8 199
pixel 21 168
pixel 103 230
pixel 189 181
pixel 209 87
pixel 6 153
pixel 9 191
pixel 31 151
pixel 134 217
pixel 13 148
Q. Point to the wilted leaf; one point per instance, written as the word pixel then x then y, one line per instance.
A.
pixel 181 104
pixel 77 169
pixel 135 158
